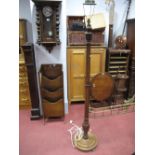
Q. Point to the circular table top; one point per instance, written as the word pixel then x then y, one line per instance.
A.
pixel 102 86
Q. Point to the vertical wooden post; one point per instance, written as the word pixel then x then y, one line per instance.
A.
pixel 32 79
pixel 88 142
pixel 85 124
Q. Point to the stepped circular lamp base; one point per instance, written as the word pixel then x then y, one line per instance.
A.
pixel 86 144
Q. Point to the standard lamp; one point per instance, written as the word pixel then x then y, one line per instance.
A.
pixel 88 140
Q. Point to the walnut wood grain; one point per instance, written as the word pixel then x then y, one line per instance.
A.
pixel 53 109
pixel 52 96
pixel 102 86
pixel 52 85
pixel 51 71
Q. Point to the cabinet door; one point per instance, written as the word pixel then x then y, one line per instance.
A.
pixel 76 70
pixel 97 61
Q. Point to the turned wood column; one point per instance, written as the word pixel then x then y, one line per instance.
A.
pixel 85 124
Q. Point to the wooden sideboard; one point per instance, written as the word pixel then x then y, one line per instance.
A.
pixel 76 62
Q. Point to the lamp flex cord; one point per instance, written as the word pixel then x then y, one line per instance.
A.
pixel 75 132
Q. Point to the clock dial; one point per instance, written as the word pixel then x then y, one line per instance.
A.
pixel 47 11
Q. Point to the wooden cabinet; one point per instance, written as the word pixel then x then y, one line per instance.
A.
pixel 76 61
pixel 24 95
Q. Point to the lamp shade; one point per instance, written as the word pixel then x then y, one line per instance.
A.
pixel 89 2
pixel 97 21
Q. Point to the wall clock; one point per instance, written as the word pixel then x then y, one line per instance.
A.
pixel 47 21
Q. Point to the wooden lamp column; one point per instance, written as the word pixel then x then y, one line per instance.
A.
pixel 88 141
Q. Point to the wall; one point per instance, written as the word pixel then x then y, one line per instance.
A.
pixel 119 13
pixel 70 7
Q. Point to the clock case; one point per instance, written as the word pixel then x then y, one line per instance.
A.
pixel 44 26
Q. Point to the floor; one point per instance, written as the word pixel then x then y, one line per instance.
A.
pixel 115 134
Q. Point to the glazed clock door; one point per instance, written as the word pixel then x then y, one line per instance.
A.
pixel 48 24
